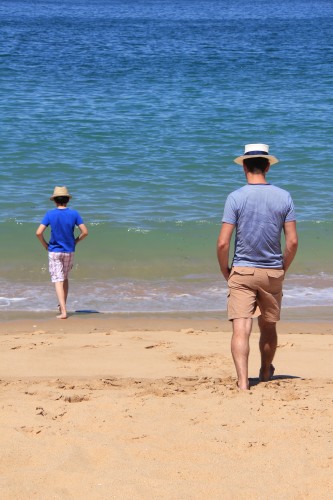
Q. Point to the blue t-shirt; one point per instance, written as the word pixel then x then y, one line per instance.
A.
pixel 62 222
pixel 259 212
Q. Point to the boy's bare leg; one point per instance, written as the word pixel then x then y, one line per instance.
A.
pixel 240 349
pixel 62 296
pixel 267 346
pixel 66 287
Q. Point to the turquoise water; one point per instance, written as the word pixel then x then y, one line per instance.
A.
pixel 139 107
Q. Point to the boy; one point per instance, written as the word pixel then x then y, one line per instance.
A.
pixel 61 246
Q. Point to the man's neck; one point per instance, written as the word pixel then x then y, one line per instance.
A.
pixel 255 178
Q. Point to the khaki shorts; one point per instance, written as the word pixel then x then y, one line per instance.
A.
pixel 250 287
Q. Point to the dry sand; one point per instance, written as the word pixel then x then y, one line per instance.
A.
pixel 97 407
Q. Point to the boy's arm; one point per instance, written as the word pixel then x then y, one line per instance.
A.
pixel 40 236
pixel 83 233
pixel 223 245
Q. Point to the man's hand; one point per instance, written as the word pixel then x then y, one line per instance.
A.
pixel 223 246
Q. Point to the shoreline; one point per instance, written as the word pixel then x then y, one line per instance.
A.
pixel 314 314
pixel 193 296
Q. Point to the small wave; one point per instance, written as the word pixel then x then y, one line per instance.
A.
pixel 8 301
pixel 138 230
pixel 191 293
pixel 314 221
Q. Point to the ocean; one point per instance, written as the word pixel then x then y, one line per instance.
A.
pixel 139 107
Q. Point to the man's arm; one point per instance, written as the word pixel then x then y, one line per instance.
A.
pixel 290 248
pixel 40 236
pixel 83 233
pixel 223 246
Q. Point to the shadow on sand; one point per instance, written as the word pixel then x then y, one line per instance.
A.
pixel 86 311
pixel 256 381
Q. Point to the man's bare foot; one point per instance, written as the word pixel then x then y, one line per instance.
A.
pixel 266 375
pixel 242 387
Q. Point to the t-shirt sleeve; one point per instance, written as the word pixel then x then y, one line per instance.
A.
pixel 230 213
pixel 79 219
pixel 291 215
pixel 46 220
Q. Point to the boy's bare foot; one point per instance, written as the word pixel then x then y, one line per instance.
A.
pixel 62 316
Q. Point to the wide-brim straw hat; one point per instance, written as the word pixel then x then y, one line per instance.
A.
pixel 256 151
pixel 60 191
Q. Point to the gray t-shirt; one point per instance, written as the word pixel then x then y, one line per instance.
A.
pixel 259 212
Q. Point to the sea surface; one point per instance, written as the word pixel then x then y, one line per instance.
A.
pixel 139 107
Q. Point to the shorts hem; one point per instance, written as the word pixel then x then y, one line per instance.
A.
pixel 251 316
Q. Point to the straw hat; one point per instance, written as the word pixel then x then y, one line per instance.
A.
pixel 60 191
pixel 256 151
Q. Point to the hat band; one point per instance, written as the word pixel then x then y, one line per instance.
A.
pixel 256 153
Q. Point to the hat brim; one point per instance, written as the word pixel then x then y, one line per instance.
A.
pixel 239 160
pixel 58 196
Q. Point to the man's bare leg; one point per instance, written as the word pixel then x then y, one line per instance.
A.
pixel 240 349
pixel 62 296
pixel 267 346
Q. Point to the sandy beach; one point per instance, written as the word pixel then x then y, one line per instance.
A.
pixel 100 407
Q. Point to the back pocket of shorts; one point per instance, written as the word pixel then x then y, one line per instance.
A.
pixel 275 273
pixel 244 271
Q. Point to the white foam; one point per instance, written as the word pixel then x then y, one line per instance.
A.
pixel 191 294
pixel 8 301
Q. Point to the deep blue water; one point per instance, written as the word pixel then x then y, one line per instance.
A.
pixel 139 107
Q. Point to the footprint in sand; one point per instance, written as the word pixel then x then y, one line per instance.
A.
pixel 165 345
pixel 191 358
pixel 76 398
pixel 191 331
pixel 32 345
pixel 210 359
pixel 29 430
pixel 287 344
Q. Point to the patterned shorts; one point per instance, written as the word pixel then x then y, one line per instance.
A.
pixel 59 265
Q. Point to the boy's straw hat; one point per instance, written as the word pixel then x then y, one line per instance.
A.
pixel 256 151
pixel 60 191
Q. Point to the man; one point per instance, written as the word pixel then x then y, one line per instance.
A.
pixel 258 212
pixel 61 246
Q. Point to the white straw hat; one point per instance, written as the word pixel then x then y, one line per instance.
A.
pixel 256 151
